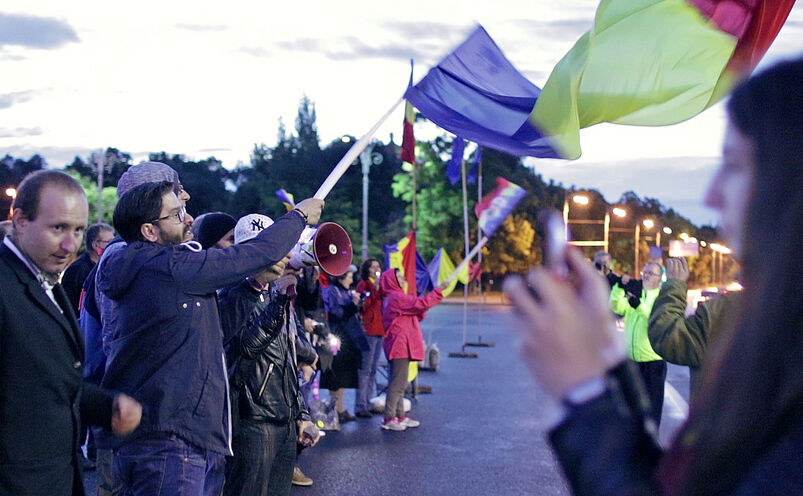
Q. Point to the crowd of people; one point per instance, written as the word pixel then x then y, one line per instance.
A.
pixel 191 343
pixel 197 338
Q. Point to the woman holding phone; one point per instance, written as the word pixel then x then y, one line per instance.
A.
pixel 744 434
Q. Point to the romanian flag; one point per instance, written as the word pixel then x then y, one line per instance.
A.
pixel 402 256
pixel 441 267
pixel 286 198
pixel 496 205
pixel 408 138
pixel 654 63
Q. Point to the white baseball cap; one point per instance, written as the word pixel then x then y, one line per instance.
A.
pixel 249 226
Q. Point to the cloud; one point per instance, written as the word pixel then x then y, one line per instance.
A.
pixel 20 132
pixel 351 48
pixel 9 99
pixel 255 52
pixel 35 32
pixel 55 156
pixel 203 28
pixel 422 30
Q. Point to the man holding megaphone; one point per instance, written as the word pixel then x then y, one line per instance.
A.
pixel 167 350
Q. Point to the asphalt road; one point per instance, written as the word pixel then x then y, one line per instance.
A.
pixel 481 428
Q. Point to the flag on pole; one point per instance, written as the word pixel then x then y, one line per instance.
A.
pixel 408 138
pixel 476 93
pixel 654 63
pixel 286 198
pixel 496 205
pixel 423 282
pixel 402 256
pixel 441 267
pixel 453 169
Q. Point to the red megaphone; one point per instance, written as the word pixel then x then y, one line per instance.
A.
pixel 329 248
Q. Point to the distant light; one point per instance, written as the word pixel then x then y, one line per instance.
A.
pixel 692 240
pixel 11 192
pixel 720 248
pixel 580 199
pixel 684 236
pixel 648 223
pixel 667 230
pixel 619 212
pixel 703 244
pixel 346 139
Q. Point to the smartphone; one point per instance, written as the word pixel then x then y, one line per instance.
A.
pixel 555 242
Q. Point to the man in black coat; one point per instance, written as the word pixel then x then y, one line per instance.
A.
pixel 42 396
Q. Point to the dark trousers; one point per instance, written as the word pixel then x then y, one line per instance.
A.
pixel 394 400
pixel 165 465
pixel 653 374
pixel 263 461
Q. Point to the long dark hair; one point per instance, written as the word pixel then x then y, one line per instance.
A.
pixel 752 393
pixel 366 267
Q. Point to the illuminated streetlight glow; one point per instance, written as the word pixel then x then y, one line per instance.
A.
pixel 11 192
pixel 580 199
pixel 667 230
pixel 648 223
pixel 703 244
pixel 684 236
pixel 720 248
pixel 619 212
pixel 692 240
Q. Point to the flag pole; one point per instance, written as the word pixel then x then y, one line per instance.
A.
pixel 351 155
pixel 471 255
pixel 480 342
pixel 463 353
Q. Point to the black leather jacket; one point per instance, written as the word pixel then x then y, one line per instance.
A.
pixel 261 347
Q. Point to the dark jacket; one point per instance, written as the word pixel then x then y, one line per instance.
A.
pixel 683 340
pixel 74 277
pixel 603 449
pixel 42 396
pixel 265 379
pixel 344 317
pixel 166 348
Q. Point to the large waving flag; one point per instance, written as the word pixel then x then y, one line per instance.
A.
pixel 441 267
pixel 496 205
pixel 402 255
pixel 653 63
pixel 476 93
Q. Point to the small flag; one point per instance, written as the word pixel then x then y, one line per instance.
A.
pixel 471 175
pixel 402 256
pixel 286 198
pixel 408 138
pixel 496 205
pixel 441 267
pixel 453 169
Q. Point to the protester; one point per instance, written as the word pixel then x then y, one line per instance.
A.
pixel 744 434
pixel 371 313
pixel 403 342
pixel 214 230
pixel 97 237
pixel 98 315
pixel 344 322
pixel 167 344
pixel 650 365
pixel 43 399
pixel 263 340
pixel 683 340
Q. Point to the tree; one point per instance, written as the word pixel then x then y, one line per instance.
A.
pixel 12 172
pixel 109 195
pixel 204 180
pixel 115 164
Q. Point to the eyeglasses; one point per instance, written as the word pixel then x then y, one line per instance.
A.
pixel 180 215
pixel 645 274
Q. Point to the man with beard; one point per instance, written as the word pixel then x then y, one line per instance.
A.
pixel 166 347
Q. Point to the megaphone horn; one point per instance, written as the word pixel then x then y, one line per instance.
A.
pixel 329 247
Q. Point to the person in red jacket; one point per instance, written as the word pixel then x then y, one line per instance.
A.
pixel 403 341
pixel 371 313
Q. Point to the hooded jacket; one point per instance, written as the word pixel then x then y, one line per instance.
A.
pixel 401 316
pixel 166 348
pixel 638 343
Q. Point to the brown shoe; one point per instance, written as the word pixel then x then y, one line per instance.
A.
pixel 299 479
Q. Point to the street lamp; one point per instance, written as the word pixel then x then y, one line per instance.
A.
pixel 648 224
pixel 11 193
pixel 578 199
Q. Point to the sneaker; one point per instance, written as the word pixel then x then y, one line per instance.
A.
pixel 363 414
pixel 345 416
pixel 408 422
pixel 299 479
pixel 392 425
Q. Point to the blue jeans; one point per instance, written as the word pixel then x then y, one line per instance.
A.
pixel 165 465
pixel 367 373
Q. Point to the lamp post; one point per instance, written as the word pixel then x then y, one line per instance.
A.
pixel 367 158
pixel 648 224
pixel 579 199
pixel 11 193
